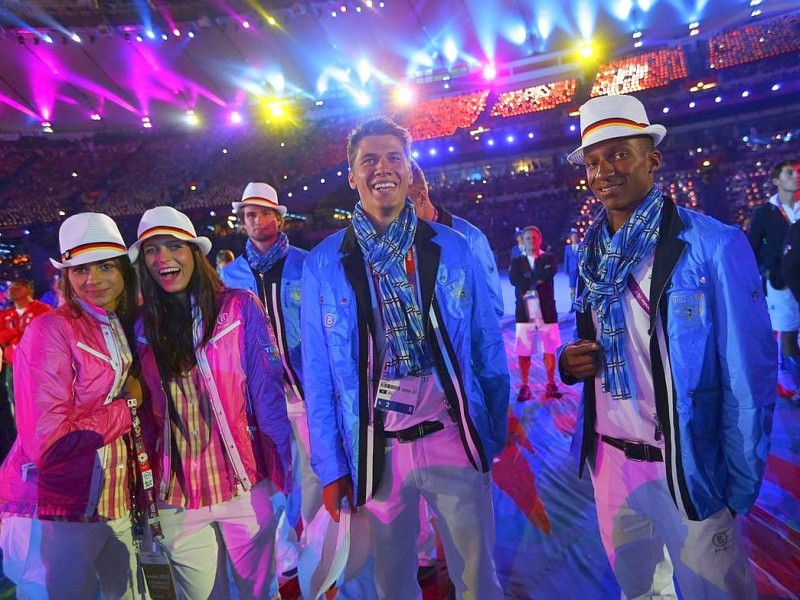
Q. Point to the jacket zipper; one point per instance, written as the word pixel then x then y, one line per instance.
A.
pixel 94 352
pixel 224 332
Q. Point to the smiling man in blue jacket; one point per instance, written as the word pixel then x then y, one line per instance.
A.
pixel 678 364
pixel 406 377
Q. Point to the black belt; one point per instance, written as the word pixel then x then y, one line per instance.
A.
pixel 417 431
pixel 635 450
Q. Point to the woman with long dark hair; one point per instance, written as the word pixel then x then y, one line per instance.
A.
pixel 221 448
pixel 66 486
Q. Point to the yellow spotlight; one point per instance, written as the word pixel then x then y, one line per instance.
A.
pixel 276 109
pixel 586 50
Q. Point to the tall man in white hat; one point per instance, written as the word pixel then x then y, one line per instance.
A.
pixel 677 359
pixel 406 377
pixel 271 268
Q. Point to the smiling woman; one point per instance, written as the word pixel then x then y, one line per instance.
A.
pixel 66 486
pixel 211 364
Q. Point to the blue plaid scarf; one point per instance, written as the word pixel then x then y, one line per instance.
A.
pixel 402 317
pixel 605 264
pixel 261 263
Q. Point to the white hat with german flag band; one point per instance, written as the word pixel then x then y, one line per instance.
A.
pixel 610 117
pixel 165 220
pixel 88 237
pixel 260 194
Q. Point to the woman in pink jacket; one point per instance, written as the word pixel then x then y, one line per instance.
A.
pixel 217 412
pixel 65 489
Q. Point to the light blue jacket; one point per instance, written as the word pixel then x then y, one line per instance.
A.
pixel 284 314
pixel 480 247
pixel 713 336
pixel 339 350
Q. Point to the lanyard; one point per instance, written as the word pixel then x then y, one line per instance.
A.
pixel 639 294
pixel 146 471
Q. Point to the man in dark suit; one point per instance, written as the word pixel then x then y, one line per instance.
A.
pixel 767 233
pixel 537 319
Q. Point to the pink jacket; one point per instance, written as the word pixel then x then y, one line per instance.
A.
pixel 243 377
pixel 65 368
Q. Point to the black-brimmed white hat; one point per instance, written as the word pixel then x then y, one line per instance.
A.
pixel 88 237
pixel 610 117
pixel 260 194
pixel 165 220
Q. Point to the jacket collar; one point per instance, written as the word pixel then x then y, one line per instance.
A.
pixel 668 252
pixel 427 252
pixel 445 217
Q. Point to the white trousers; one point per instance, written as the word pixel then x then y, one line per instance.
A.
pixel 197 542
pixel 51 560
pixel 648 541
pixel 460 497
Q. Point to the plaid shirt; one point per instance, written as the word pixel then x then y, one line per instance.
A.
pixel 201 473
pixel 115 495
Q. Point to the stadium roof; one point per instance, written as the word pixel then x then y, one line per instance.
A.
pixel 104 65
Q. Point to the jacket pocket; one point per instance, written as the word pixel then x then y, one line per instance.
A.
pixel 337 311
pixel 452 288
pixel 224 332
pixel 701 412
pixel 95 353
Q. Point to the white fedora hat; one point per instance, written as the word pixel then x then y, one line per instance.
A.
pixel 86 238
pixel 333 552
pixel 165 220
pixel 609 117
pixel 260 194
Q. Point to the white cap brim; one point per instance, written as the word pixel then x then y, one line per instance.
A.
pixel 201 242
pixel 657 132
pixel 260 202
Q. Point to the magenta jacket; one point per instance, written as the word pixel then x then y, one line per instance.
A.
pixel 65 369
pixel 243 376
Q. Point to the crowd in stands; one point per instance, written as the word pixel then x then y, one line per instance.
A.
pixel 201 171
pixel 638 73
pixel 533 99
pixel 441 117
pixel 755 42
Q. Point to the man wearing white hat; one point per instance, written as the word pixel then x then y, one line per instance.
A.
pixel 271 268
pixel 677 360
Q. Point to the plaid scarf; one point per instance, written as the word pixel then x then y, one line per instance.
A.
pixel 385 254
pixel 262 263
pixel 604 266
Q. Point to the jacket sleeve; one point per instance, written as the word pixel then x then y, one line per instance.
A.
pixel 51 428
pixel 489 363
pixel 546 268
pixel 10 336
pixel 483 252
pixel 328 458
pixel 755 235
pixel 790 261
pixel 516 276
pixel 265 389
pixel 748 359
